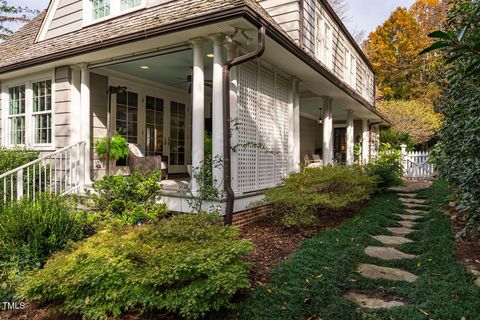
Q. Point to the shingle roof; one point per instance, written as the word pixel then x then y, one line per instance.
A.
pixel 21 47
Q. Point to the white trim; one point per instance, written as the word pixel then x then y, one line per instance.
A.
pixel 114 11
pixel 323 40
pixel 47 21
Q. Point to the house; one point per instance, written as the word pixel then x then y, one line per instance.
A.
pixel 309 90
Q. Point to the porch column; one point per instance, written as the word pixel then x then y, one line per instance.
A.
pixel 217 106
pixel 294 131
pixel 232 52
pixel 85 116
pixel 198 108
pixel 327 131
pixel 350 139
pixel 365 141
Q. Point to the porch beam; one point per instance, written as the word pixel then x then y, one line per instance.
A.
pixel 85 115
pixel 218 40
pixel 294 124
pixel 350 139
pixel 365 141
pixel 198 108
pixel 327 131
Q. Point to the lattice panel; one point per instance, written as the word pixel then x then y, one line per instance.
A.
pixel 266 125
pixel 263 120
pixel 247 130
pixel 282 129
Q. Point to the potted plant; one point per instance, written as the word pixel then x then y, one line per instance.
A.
pixel 118 151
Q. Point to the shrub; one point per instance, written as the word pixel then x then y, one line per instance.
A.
pixel 187 264
pixel 332 187
pixel 30 231
pixel 130 198
pixel 387 167
pixel 396 139
pixel 14 158
pixel 118 148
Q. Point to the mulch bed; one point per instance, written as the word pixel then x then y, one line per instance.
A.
pixel 275 243
pixel 468 246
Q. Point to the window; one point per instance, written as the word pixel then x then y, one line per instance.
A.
pixel 177 133
pixel 127 115
pixel 367 85
pixel 42 111
pixel 155 116
pixel 323 41
pixel 350 69
pixel 102 9
pixel 17 114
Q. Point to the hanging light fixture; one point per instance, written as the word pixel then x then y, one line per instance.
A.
pixel 320 117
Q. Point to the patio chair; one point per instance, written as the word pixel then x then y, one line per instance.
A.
pixel 139 161
pixel 314 162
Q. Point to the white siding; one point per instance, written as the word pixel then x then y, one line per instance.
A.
pixel 286 13
pixel 62 108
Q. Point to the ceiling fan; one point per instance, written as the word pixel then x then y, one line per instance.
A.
pixel 188 79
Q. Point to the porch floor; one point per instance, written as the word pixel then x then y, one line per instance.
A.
pixel 176 184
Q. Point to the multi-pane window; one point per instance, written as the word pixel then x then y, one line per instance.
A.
pixel 177 133
pixel 17 114
pixel 323 41
pixel 104 8
pixel 350 69
pixel 100 9
pixel 42 111
pixel 127 115
pixel 154 122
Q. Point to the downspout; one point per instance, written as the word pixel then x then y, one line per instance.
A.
pixel 227 164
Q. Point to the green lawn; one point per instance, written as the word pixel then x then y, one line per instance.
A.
pixel 311 284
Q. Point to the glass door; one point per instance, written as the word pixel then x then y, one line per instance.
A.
pixel 155 114
pixel 177 141
pixel 340 145
pixel 127 116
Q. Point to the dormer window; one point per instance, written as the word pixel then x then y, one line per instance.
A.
pixel 98 10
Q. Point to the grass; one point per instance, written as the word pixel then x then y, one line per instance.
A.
pixel 312 283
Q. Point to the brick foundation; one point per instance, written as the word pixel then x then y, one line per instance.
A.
pixel 246 217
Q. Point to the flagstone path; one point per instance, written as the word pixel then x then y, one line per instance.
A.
pixel 416 209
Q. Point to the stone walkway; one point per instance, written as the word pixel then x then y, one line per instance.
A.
pixel 414 209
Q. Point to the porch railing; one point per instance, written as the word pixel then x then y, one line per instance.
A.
pixel 61 172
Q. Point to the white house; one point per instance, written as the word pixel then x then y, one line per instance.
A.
pixel 309 90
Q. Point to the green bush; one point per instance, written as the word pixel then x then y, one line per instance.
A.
pixel 188 264
pixel 387 167
pixel 14 158
pixel 396 139
pixel 30 231
pixel 118 148
pixel 130 198
pixel 332 187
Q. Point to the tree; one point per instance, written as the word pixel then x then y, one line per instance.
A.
pixel 416 118
pixel 11 14
pixel 341 8
pixel 393 49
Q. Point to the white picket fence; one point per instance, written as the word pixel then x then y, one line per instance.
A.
pixel 416 165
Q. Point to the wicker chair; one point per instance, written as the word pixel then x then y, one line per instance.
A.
pixel 138 161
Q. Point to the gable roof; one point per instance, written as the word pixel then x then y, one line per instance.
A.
pixel 20 50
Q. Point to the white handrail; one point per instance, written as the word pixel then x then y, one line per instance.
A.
pixel 59 172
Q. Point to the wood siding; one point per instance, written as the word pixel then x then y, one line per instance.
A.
pixel 62 108
pixel 1 116
pixel 287 14
pixel 67 18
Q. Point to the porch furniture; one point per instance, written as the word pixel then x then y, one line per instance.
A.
pixel 139 161
pixel 314 162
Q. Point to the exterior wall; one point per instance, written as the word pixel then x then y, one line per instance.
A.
pixel 311 137
pixel 248 216
pixel 62 108
pixel 340 46
pixel 1 117
pixel 67 18
pixel 286 13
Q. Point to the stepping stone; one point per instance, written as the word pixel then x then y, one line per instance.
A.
pixel 402 231
pixel 411 200
pixel 392 240
pixel 387 253
pixel 477 282
pixel 372 271
pixel 407 224
pixel 409 217
pixel 415 205
pixel 372 303
pixel 415 211
pixel 407 195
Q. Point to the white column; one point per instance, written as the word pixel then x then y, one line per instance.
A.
pixel 198 108
pixel 75 122
pixel 232 52
pixel 85 115
pixel 217 105
pixel 327 131
pixel 365 142
pixel 350 139
pixel 294 131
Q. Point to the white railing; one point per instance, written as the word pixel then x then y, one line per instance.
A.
pixel 416 165
pixel 61 172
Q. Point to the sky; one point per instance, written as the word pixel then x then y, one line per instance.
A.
pixel 365 14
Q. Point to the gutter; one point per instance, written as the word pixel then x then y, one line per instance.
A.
pixel 227 161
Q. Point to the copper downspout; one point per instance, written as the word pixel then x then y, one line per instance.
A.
pixel 227 164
